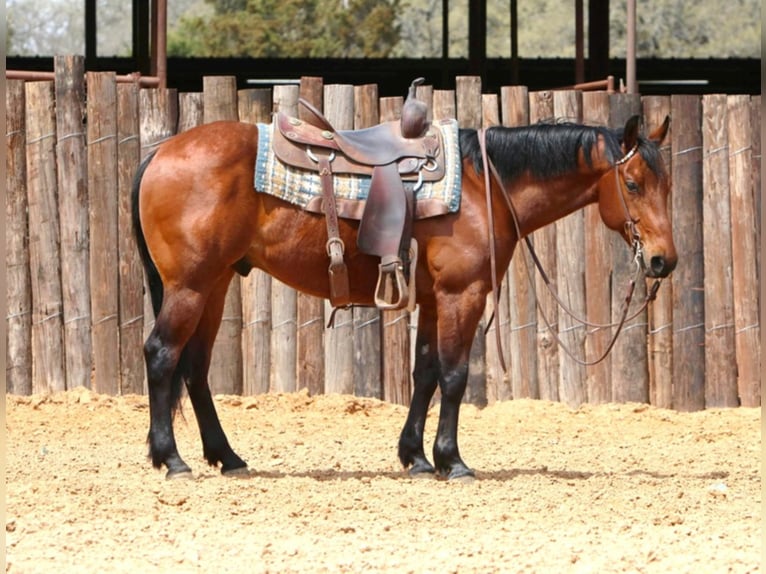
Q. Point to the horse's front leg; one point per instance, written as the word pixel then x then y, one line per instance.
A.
pixel 425 375
pixel 458 319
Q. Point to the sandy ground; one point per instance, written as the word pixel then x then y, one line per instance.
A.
pixel 612 488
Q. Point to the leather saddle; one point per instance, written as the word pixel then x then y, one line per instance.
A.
pixel 398 156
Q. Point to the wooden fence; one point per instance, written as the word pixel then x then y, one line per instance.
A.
pixel 78 315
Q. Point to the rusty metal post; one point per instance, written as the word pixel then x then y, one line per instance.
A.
pixel 630 59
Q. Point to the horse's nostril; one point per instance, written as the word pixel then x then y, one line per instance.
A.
pixel 657 265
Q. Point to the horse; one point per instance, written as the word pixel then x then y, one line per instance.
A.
pixel 198 220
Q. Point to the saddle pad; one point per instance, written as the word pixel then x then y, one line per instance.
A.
pixel 304 188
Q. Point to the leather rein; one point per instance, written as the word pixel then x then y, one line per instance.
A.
pixel 630 229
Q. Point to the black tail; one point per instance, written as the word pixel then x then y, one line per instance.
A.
pixel 154 280
pixel 152 275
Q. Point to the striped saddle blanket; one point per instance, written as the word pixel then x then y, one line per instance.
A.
pixel 304 188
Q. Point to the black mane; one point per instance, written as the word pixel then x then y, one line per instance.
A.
pixel 546 150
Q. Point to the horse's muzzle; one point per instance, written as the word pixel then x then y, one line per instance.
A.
pixel 660 266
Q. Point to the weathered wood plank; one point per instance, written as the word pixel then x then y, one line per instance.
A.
pixel 747 331
pixel 311 321
pixel 225 374
pixel 570 270
pixel 339 341
pixel 255 107
pixel 131 294
pixel 18 367
pixel 72 172
pixel 103 202
pixel 544 240
pixel 720 360
pixel 598 270
pixel 688 279
pixel 48 369
pixel 630 368
pixel 660 337
pixel 521 284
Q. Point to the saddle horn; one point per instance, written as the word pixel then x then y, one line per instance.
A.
pixel 414 113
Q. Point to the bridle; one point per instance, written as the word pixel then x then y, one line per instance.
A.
pixel 631 231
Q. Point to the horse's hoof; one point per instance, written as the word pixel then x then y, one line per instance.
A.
pixel 179 475
pixel 462 476
pixel 240 472
pixel 422 469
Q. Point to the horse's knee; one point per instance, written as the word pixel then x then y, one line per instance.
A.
pixel 160 362
pixel 453 382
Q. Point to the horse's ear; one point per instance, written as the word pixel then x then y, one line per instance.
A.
pixel 658 135
pixel 630 134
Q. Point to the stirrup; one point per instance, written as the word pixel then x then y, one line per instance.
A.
pixel 392 291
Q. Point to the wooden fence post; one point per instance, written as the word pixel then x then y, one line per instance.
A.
pixel 688 278
pixel 310 312
pixel 498 381
pixel 522 345
pixel 157 119
pixel 104 264
pixel 570 270
pixel 541 108
pixel 469 115
pixel 255 107
pixel 366 320
pixel 284 370
pixel 720 358
pixel 660 338
pixel 598 270
pixel 397 386
pixel 131 286
pixel 71 160
pixel 339 344
pixel 18 370
pixel 48 374
pixel 630 370
pixel 745 277
pixel 225 375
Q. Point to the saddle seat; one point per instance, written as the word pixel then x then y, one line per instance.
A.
pixel 398 156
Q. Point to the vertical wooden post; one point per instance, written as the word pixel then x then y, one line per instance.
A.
pixel 660 338
pixel 397 386
pixel 598 270
pixel 48 374
pixel 745 278
pixel 131 295
pixel 310 337
pixel 498 383
pixel 283 298
pixel 191 110
pixel 469 115
pixel 225 374
pixel 541 108
pixel 688 279
pixel 18 370
pixel 255 107
pixel 339 343
pixel 71 160
pixel 630 369
pixel 720 358
pixel 157 123
pixel 521 285
pixel 104 263
pixel 570 270
pixel 366 320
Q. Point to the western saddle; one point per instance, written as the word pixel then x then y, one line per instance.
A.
pixel 398 156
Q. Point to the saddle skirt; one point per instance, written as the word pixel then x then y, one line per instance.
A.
pixel 303 187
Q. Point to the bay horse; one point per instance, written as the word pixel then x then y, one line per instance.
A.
pixel 198 220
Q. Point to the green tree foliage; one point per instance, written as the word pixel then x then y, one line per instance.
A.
pixel 289 29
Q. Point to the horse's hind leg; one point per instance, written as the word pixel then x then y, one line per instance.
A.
pixel 215 445
pixel 425 375
pixel 163 352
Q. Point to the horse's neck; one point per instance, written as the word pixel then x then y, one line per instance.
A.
pixel 539 203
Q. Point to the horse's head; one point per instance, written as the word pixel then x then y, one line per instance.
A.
pixel 633 199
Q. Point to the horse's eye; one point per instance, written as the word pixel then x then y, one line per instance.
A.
pixel 632 186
